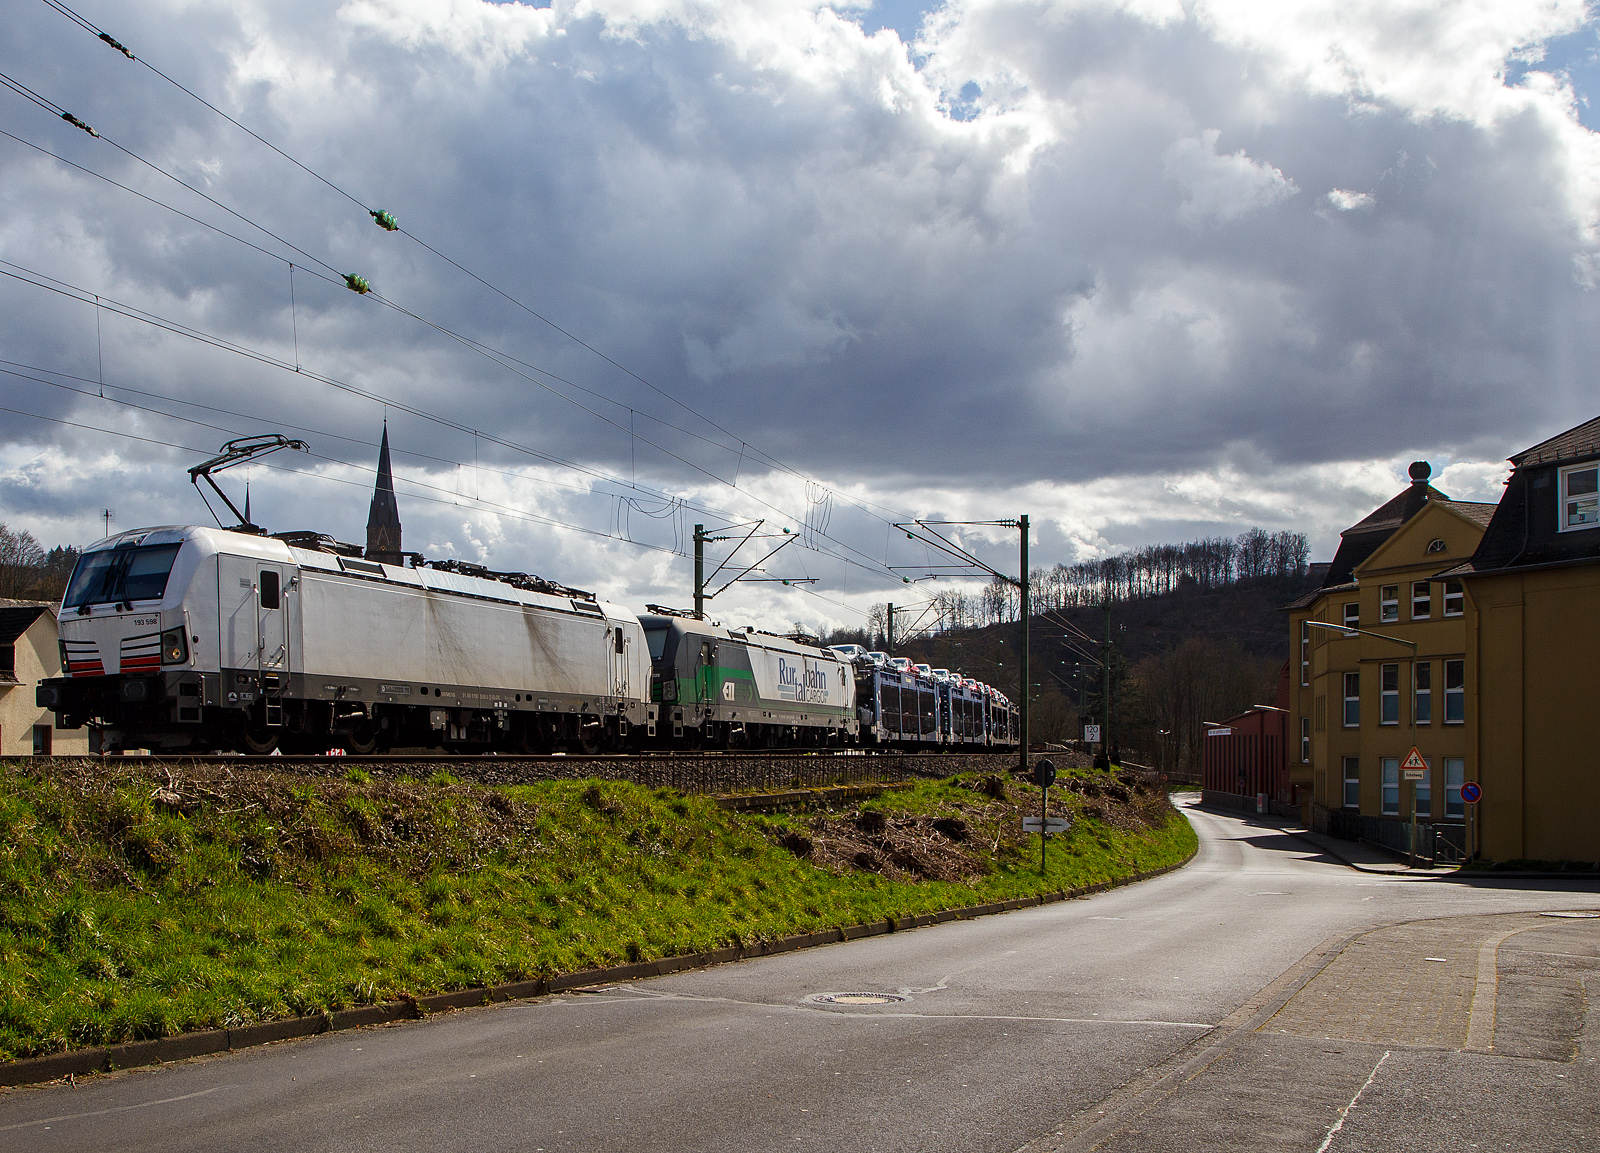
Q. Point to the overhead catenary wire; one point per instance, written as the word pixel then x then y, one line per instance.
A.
pixel 490 353
pixel 83 295
pixel 385 220
pixel 817 521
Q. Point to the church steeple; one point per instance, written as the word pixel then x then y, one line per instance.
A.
pixel 383 521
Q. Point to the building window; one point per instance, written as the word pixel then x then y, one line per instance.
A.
pixel 1389 603
pixel 1424 705
pixel 1389 695
pixel 1455 692
pixel 8 660
pixel 41 740
pixel 1352 614
pixel 1421 600
pixel 1423 797
pixel 1305 653
pixel 1352 782
pixel 1305 740
pixel 1455 599
pixel 1352 700
pixel 1580 502
pixel 1391 785
pixel 1455 774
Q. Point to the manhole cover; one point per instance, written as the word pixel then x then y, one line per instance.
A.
pixel 1572 916
pixel 856 998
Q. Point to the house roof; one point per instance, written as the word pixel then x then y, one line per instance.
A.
pixel 1525 532
pixel 1473 510
pixel 1581 441
pixel 16 620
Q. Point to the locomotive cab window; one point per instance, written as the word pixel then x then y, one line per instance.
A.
pixel 121 574
pixel 619 642
pixel 271 593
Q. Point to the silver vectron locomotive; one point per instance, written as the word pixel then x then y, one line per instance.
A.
pixel 201 639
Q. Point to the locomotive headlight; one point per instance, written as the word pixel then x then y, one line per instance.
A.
pixel 174 647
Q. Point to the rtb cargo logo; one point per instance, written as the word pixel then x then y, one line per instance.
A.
pixel 802 682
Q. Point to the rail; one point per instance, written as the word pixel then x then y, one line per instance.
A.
pixel 721 772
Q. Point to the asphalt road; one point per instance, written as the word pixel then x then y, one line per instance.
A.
pixel 1191 1011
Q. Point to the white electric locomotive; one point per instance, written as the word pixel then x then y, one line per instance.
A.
pixel 199 639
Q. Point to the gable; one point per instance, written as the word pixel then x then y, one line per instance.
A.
pixel 1459 528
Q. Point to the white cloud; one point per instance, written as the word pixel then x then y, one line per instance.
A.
pixel 1219 188
pixel 1099 298
pixel 1346 201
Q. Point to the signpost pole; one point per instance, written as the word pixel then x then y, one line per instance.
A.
pixel 1044 815
pixel 1044 775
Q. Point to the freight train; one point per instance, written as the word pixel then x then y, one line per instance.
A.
pixel 193 639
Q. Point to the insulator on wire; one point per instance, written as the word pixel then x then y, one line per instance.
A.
pixel 384 219
pixel 109 39
pixel 76 123
pixel 357 284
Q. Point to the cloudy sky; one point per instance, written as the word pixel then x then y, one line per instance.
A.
pixel 1143 270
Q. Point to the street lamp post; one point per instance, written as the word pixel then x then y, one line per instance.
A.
pixel 1411 709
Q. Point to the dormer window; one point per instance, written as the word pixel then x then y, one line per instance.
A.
pixel 1580 497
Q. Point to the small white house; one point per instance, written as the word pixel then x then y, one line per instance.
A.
pixel 29 653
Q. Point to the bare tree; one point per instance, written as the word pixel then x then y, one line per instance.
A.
pixel 21 559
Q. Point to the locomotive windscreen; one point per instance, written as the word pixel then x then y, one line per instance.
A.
pixel 657 636
pixel 121 574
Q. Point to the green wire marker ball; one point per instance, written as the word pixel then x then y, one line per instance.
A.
pixel 384 220
pixel 357 283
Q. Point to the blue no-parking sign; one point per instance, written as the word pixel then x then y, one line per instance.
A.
pixel 1471 792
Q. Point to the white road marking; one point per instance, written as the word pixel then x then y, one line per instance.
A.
pixel 114 1109
pixel 1351 1104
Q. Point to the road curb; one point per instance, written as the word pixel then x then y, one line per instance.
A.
pixel 102 1059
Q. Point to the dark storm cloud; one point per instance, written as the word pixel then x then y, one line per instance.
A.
pixel 1074 241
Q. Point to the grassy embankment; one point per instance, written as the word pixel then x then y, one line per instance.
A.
pixel 135 906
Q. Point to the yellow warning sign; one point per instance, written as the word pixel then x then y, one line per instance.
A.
pixel 1414 761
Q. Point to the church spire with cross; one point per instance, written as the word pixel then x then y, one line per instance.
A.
pixel 383 521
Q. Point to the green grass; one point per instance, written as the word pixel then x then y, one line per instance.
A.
pixel 134 907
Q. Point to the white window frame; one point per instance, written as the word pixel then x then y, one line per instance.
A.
pixel 1422 791
pixel 1389 698
pixel 1305 653
pixel 1352 782
pixel 1389 786
pixel 1352 620
pixel 1455 775
pixel 1388 603
pixel 1425 600
pixel 1352 702
pixel 1565 510
pixel 1455 591
pixel 1305 740
pixel 1422 692
pixel 1457 695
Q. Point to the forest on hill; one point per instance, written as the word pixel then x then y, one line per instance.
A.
pixel 1195 632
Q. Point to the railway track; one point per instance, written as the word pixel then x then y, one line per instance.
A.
pixel 700 772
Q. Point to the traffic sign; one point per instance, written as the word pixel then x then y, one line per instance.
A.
pixel 1414 774
pixel 1051 824
pixel 1472 792
pixel 1413 761
pixel 1091 734
pixel 1044 774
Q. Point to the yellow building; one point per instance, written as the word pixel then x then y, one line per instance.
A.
pixel 1533 656
pixel 29 653
pixel 1378 666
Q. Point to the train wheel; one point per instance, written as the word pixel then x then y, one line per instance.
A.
pixel 259 742
pixel 362 739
